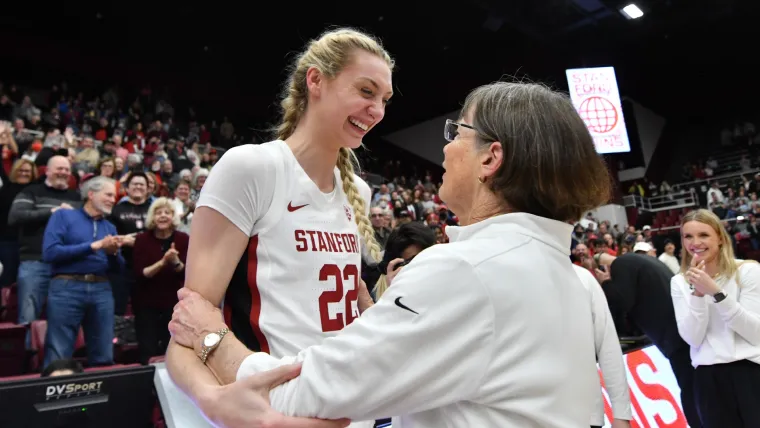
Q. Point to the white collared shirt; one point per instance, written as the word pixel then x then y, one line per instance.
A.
pixel 493 329
pixel 722 332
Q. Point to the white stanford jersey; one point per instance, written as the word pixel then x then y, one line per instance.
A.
pixel 297 282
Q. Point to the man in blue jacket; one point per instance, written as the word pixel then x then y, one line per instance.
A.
pixel 82 247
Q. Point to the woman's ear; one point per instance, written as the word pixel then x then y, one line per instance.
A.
pixel 314 81
pixel 491 159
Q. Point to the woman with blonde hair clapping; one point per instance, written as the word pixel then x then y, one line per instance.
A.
pixel 717 304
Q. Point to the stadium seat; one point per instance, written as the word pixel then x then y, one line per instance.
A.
pixel 39 330
pixel 12 349
pixel 9 304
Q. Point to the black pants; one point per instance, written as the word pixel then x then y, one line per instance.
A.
pixel 122 284
pixel 152 329
pixel 680 362
pixel 728 395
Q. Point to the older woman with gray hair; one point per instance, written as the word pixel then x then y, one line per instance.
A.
pixel 493 329
pixel 199 179
pixel 159 268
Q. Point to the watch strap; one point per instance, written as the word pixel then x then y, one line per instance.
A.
pixel 207 350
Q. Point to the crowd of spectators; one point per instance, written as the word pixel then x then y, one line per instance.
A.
pixel 159 166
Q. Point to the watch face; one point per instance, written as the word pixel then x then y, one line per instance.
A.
pixel 211 339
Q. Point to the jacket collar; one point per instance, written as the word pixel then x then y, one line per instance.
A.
pixel 552 232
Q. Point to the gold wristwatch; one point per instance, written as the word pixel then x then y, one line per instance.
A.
pixel 211 342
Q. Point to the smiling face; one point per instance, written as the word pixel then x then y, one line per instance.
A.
pixel 700 240
pixel 462 166
pixel 352 103
pixel 163 218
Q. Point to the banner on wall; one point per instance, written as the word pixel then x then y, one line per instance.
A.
pixel 595 95
pixel 655 395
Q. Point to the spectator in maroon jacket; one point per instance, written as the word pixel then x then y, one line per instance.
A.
pixel 159 256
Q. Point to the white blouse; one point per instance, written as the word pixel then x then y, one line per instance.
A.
pixel 721 332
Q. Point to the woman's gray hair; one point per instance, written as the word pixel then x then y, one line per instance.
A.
pixel 203 172
pixel 95 185
pixel 162 202
pixel 134 159
pixel 550 167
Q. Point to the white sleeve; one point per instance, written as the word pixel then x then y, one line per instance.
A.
pixel 691 312
pixel 391 360
pixel 743 316
pixel 608 351
pixel 241 186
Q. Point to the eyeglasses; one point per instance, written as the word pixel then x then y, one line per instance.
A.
pixel 451 129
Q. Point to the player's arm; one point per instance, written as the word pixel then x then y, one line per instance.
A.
pixel 425 344
pixel 691 312
pixel 220 231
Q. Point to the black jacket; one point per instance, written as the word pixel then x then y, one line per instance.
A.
pixel 30 212
pixel 640 288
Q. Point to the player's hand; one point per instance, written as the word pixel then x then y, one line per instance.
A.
pixel 245 403
pixel 194 317
pixel 620 423
pixel 392 271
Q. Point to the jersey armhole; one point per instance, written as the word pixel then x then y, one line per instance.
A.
pixel 280 192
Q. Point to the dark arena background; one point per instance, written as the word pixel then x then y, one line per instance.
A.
pixel 208 76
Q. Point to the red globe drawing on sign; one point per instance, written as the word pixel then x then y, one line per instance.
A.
pixel 599 114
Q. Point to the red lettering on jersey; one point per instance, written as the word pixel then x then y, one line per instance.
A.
pixel 325 241
pixel 313 243
pixel 654 392
pixel 331 243
pixel 338 242
pixel 322 243
pixel 301 243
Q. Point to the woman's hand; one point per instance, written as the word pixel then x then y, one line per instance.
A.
pixel 171 255
pixel 392 271
pixel 245 403
pixel 194 317
pixel 700 279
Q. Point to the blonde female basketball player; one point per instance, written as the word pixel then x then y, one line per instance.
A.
pixel 277 231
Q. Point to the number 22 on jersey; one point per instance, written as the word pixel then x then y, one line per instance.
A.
pixel 331 272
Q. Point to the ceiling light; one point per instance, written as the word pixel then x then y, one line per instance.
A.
pixel 632 11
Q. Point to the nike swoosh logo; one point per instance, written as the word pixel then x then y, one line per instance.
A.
pixel 291 208
pixel 403 306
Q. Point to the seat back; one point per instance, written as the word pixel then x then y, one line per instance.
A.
pixel 12 349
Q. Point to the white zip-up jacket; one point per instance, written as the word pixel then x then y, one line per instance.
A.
pixel 493 329
pixel 608 353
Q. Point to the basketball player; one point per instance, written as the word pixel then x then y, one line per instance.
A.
pixel 493 329
pixel 279 227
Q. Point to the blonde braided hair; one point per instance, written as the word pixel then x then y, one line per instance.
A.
pixel 330 53
pixel 346 161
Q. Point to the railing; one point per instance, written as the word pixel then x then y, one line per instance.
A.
pixel 677 226
pixel 698 183
pixel 683 199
